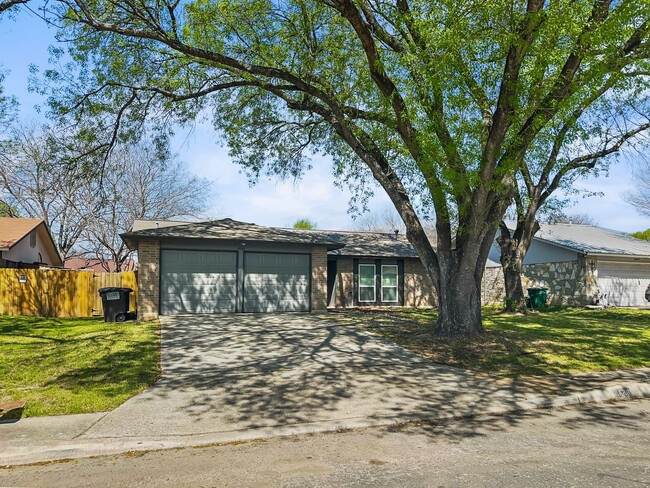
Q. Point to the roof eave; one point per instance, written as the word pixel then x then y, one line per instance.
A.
pixel 618 255
pixel 131 240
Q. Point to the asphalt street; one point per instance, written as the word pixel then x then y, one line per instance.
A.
pixel 595 445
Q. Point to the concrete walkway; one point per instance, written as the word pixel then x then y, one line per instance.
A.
pixel 237 377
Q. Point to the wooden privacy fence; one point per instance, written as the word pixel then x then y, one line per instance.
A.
pixel 59 293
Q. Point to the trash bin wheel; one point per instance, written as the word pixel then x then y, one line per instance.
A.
pixel 120 317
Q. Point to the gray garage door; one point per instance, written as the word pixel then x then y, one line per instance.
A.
pixel 197 281
pixel 624 283
pixel 276 282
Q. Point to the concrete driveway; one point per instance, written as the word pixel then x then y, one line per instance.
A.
pixel 289 373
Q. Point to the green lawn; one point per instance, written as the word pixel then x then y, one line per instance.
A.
pixel 556 341
pixel 64 366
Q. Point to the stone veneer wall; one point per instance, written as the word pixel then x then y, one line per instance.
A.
pixel 566 281
pixel 569 283
pixel 493 288
pixel 319 279
pixel 148 279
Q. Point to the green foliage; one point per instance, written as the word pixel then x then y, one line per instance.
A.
pixel 66 366
pixel 305 224
pixel 7 210
pixel 642 234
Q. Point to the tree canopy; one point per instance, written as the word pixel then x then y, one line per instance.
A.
pixel 305 224
pixel 449 105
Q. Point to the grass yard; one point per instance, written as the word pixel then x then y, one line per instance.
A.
pixel 551 342
pixel 80 365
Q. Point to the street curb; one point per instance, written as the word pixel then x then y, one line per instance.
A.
pixel 59 451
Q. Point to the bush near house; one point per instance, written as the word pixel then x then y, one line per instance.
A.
pixel 78 365
pixel 555 341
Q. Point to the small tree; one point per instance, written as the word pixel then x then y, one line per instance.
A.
pixel 142 181
pixel 37 181
pixel 305 224
pixel 643 234
pixel 640 198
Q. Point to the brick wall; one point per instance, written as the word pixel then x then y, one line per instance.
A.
pixel 148 279
pixel 418 287
pixel 344 283
pixel 319 279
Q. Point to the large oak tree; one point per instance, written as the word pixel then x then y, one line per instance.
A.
pixel 443 102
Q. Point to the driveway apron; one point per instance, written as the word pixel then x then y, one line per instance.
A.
pixel 231 373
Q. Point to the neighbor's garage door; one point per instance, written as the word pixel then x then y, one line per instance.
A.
pixel 624 283
pixel 197 281
pixel 276 282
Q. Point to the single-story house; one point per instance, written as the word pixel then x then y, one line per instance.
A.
pixel 584 264
pixel 230 266
pixel 27 243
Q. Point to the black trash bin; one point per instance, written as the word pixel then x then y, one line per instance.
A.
pixel 115 302
pixel 537 298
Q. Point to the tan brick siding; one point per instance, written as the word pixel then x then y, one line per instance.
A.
pixel 344 289
pixel 319 279
pixel 418 287
pixel 148 279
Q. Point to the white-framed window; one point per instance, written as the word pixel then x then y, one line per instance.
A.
pixel 32 238
pixel 367 291
pixel 389 283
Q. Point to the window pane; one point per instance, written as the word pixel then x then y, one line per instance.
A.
pixel 366 294
pixel 389 294
pixel 389 276
pixel 366 275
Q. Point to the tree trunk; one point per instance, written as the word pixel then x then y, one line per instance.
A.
pixel 515 299
pixel 513 250
pixel 459 310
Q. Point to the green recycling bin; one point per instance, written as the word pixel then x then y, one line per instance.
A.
pixel 537 297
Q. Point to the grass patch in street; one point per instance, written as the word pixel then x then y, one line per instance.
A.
pixel 555 341
pixel 80 365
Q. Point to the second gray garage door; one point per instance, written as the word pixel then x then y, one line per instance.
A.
pixel 276 282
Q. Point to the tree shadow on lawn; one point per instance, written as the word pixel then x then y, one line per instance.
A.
pixel 253 371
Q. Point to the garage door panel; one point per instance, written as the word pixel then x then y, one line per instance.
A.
pixel 276 282
pixel 624 283
pixel 198 281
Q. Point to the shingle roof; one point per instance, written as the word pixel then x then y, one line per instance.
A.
pixel 228 229
pixel 376 244
pixel 13 230
pixel 589 239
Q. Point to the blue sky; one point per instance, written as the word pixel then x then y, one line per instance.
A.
pixel 25 41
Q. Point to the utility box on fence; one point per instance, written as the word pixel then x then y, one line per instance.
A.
pixel 115 302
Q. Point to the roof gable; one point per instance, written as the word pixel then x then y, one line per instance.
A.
pixel 13 230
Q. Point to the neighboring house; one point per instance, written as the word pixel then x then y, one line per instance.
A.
pixel 582 263
pixel 89 264
pixel 27 243
pixel 231 266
